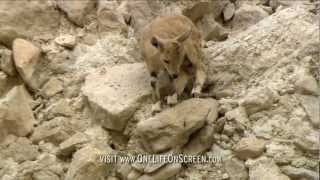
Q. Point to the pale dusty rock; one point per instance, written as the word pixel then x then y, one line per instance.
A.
pixel 77 11
pixel 87 165
pixel 137 14
pixel 20 150
pixel 228 11
pixel 172 127
pixel 236 169
pixel 47 166
pixel 299 173
pixel 309 144
pixel 26 58
pixel 52 87
pixel 3 82
pixel 257 100
pixel 109 18
pixel 16 115
pixel 246 16
pixel 212 30
pixel 67 40
pixel 23 18
pixel 258 62
pixel 72 144
pixel 249 147
pixel 6 62
pixel 93 135
pixel 264 168
pixel 306 84
pixel 55 131
pixel 239 115
pixel 311 105
pixel 281 153
pixel 115 95
pixel 164 173
pixel 200 141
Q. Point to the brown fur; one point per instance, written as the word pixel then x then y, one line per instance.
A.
pixel 168 43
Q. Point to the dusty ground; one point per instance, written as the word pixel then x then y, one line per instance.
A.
pixel 73 88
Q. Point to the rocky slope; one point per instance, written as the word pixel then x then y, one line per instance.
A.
pixel 73 88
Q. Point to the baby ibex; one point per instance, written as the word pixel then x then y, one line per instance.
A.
pixel 173 44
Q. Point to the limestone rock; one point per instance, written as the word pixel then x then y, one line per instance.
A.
pixel 16 115
pixel 246 16
pixel 26 58
pixel 311 105
pixel 21 150
pixel 264 169
pixel 164 173
pixel 257 100
pixel 6 62
pixel 236 169
pixel 211 30
pixel 52 87
pixel 75 142
pixel 66 40
pixel 54 131
pixel 299 173
pixel 172 127
pixel 87 165
pixel 249 147
pixel 23 18
pixel 306 84
pixel 77 11
pixel 115 95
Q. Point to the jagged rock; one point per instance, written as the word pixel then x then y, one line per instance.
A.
pixel 239 115
pixel 115 95
pixel 67 40
pixel 197 9
pixel 20 150
pixel 228 11
pixel 55 131
pixel 26 58
pixel 60 108
pixel 16 115
pixel 264 169
pixel 3 82
pixel 77 11
pixel 257 100
pixel 22 18
pixel 200 141
pixel 246 16
pixel 306 84
pixel 93 135
pixel 249 147
pixel 309 144
pixel 299 173
pixel 52 87
pixel 6 62
pixel 236 169
pixel 86 164
pixel 211 30
pixel 281 153
pixel 164 173
pixel 172 127
pixel 311 105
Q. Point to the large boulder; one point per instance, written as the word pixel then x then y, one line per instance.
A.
pixel 86 164
pixel 16 116
pixel 23 18
pixel 249 147
pixel 258 54
pixel 115 95
pixel 173 127
pixel 26 58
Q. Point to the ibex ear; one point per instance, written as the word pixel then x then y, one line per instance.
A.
pixel 156 42
pixel 184 36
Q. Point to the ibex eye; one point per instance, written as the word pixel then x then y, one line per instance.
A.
pixel 166 61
